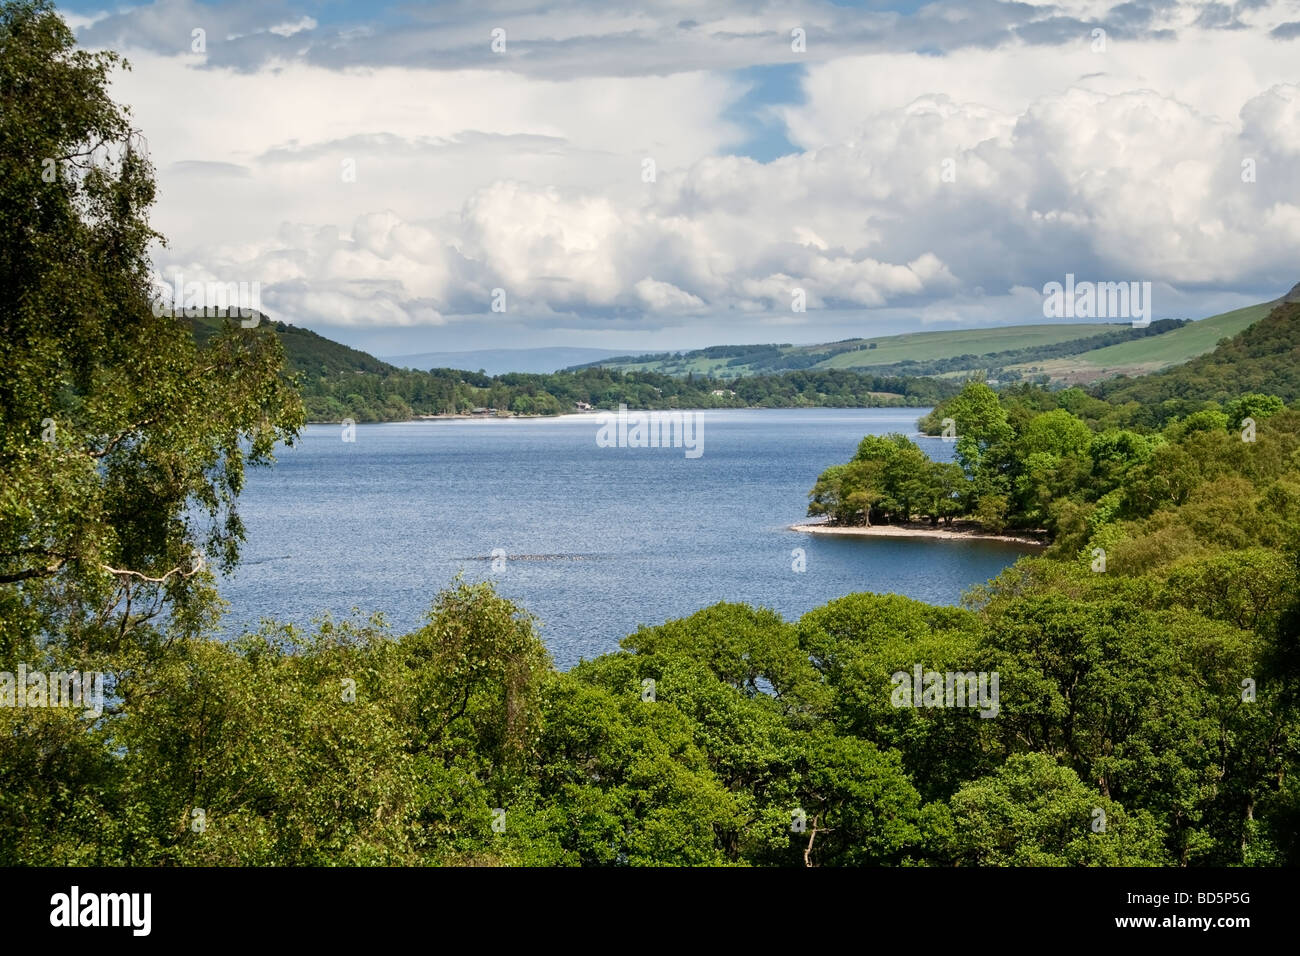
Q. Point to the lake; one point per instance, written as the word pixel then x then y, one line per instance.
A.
pixel 596 540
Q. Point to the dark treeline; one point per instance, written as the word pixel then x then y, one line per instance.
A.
pixel 338 382
pixel 400 394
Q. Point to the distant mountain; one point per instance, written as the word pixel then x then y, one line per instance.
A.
pixel 501 361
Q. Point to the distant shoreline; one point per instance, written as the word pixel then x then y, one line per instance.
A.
pixel 918 530
pixel 597 412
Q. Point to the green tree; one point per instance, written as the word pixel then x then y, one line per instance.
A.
pixel 983 432
pixel 472 682
pixel 122 444
pixel 1255 405
pixel 1033 812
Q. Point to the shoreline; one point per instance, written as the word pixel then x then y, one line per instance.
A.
pixel 916 530
pixel 596 412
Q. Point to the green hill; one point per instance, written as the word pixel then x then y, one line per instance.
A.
pixel 928 346
pixel 1048 352
pixel 1176 347
pixel 305 351
pixel 339 381
pixel 1141 356
pixel 1264 357
pixel 1073 354
pixel 960 349
pixel 915 353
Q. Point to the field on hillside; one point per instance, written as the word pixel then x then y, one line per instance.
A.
pixel 1150 354
pixel 927 346
pixel 1138 356
pixel 697 365
pixel 889 349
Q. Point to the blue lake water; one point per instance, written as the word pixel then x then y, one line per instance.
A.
pixel 597 540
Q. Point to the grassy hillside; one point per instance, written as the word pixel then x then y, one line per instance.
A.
pixel 1042 351
pixel 927 346
pixel 1142 356
pixel 1264 357
pixel 1182 344
pixel 1046 352
pixel 878 353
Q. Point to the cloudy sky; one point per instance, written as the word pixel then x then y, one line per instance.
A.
pixel 665 174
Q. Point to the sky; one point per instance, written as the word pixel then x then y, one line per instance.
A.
pixel 410 177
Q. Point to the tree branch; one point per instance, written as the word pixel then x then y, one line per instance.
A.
pixel 126 573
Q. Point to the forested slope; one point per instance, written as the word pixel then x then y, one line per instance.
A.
pixel 1263 357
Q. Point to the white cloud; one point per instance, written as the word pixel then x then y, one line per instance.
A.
pixel 656 296
pixel 468 177
pixel 289 28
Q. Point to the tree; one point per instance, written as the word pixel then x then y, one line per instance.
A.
pixel 1033 812
pixel 472 681
pixel 122 443
pixel 849 493
pixel 1255 405
pixel 1057 433
pixel 946 491
pixel 861 808
pixel 983 432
